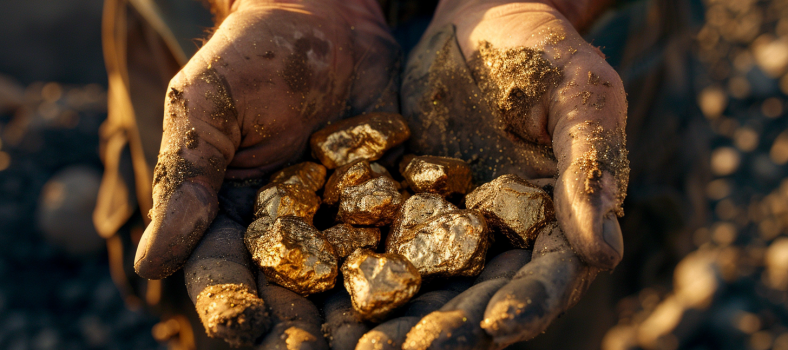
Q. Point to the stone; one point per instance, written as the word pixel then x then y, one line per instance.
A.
pixel 366 136
pixel 438 238
pixel 353 174
pixel 513 206
pixel 279 199
pixel 379 283
pixel 346 239
pixel 293 254
pixel 373 203
pixel 310 175
pixel 440 175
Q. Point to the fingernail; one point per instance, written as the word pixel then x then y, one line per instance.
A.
pixel 611 233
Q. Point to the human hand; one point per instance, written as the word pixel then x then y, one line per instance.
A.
pixel 511 87
pixel 247 102
pixel 272 73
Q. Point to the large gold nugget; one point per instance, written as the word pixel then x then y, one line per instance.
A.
pixel 366 136
pixel 516 207
pixel 278 199
pixel 310 175
pixel 353 174
pixel 346 239
pixel 373 203
pixel 295 255
pixel 439 239
pixel 440 175
pixel 379 283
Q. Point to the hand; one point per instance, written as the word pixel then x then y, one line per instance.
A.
pixel 272 73
pixel 246 103
pixel 511 87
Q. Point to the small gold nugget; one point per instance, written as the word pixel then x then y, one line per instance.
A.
pixel 438 238
pixel 366 136
pixel 232 312
pixel 373 203
pixel 379 283
pixel 293 254
pixel 353 174
pixel 310 175
pixel 516 207
pixel 346 239
pixel 441 175
pixel 279 199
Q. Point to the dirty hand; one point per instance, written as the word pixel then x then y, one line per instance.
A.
pixel 272 73
pixel 511 87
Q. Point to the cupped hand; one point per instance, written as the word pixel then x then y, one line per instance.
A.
pixel 511 87
pixel 271 74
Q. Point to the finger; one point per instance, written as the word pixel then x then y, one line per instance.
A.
pixel 200 136
pixel 296 319
pixel 588 115
pixel 223 288
pixel 456 324
pixel 504 265
pixel 343 324
pixel 462 315
pixel 391 334
pixel 541 290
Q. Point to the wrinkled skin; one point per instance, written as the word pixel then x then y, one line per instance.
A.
pixel 252 65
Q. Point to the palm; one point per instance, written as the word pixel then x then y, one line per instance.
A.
pixel 514 89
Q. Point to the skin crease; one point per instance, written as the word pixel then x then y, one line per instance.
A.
pixel 254 120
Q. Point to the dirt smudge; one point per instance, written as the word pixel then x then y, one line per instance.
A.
pixel 514 80
pixel 191 139
pixel 171 171
pixel 607 153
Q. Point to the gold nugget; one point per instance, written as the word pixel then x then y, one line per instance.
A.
pixel 379 283
pixel 295 255
pixel 373 203
pixel 279 199
pixel 353 174
pixel 310 175
pixel 366 136
pixel 346 239
pixel 516 207
pixel 441 175
pixel 232 312
pixel 438 238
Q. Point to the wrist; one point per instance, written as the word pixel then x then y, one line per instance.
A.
pixel 579 13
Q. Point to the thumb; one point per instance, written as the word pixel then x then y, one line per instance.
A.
pixel 589 110
pixel 199 124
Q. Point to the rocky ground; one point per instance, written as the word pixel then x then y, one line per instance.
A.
pixel 55 288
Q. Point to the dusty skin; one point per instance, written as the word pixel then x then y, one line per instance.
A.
pixel 379 283
pixel 233 313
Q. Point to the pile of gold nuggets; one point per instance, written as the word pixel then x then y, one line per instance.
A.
pixel 426 235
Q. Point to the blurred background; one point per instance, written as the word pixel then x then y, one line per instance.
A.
pixel 706 263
